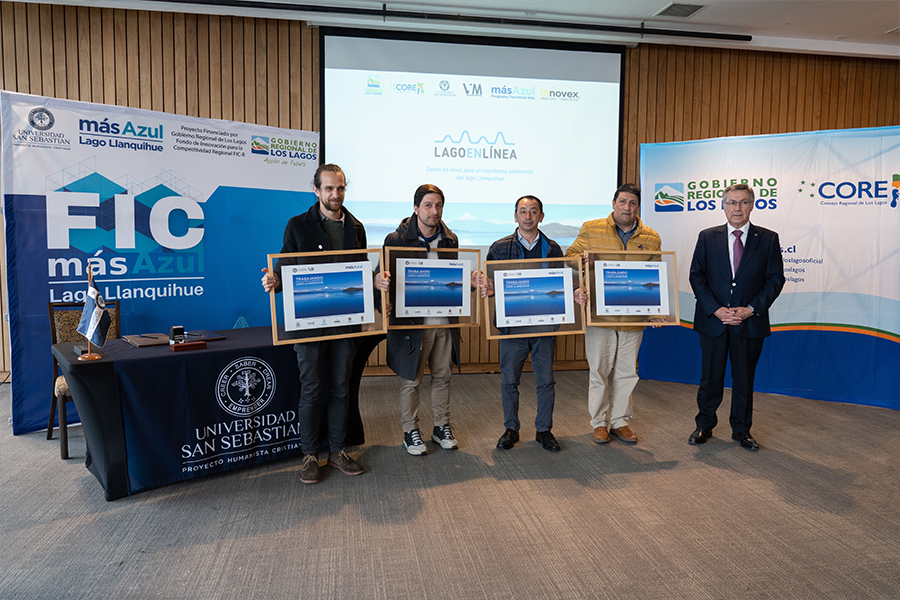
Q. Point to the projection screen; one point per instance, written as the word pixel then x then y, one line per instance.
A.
pixel 486 123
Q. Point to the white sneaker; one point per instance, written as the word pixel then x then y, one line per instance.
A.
pixel 412 441
pixel 443 436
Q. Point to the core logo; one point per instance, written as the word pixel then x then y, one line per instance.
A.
pixel 669 197
pixel 409 88
pixel 855 193
pixel 895 193
pixel 259 144
pixel 245 386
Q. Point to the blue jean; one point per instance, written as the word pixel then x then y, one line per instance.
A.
pixel 513 353
pixel 315 360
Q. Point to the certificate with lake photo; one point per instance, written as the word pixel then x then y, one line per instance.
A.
pixel 528 297
pixel 433 288
pixel 631 288
pixel 327 295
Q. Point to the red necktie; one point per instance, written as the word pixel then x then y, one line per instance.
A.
pixel 738 248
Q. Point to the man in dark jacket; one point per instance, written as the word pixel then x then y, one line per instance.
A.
pixel 408 350
pixel 526 242
pixel 327 225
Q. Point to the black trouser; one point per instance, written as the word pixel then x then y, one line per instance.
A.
pixel 315 360
pixel 744 354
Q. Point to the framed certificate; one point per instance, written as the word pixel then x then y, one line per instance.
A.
pixel 632 288
pixel 428 292
pixel 533 297
pixel 326 295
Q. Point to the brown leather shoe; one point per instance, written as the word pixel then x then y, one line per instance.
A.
pixel 625 434
pixel 309 470
pixel 601 436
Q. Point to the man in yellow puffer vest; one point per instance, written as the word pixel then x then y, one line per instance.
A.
pixel 612 351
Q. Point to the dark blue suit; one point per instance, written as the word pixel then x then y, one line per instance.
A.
pixel 757 283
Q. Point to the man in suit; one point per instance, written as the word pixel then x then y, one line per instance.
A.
pixel 736 274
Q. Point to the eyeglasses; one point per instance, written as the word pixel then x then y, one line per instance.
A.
pixel 733 203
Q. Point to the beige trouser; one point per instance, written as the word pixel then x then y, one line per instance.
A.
pixel 612 357
pixel 437 351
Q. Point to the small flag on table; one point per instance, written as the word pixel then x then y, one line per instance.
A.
pixel 95 320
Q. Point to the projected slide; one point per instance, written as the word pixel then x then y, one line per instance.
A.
pixel 485 124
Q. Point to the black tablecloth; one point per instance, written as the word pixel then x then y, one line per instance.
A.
pixel 152 416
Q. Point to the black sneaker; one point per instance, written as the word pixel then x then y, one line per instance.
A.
pixel 309 471
pixel 412 441
pixel 343 462
pixel 443 436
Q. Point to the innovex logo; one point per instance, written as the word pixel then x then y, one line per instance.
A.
pixel 259 144
pixel 559 95
pixel 669 197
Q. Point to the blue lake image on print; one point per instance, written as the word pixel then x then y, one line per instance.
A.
pixel 434 286
pixel 631 287
pixel 533 296
pixel 326 294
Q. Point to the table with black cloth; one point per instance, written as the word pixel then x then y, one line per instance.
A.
pixel 152 416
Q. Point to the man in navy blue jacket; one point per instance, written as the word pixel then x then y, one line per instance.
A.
pixel 736 274
pixel 526 242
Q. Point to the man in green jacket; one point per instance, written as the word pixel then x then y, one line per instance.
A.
pixel 612 351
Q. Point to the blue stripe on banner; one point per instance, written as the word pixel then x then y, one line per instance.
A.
pixel 821 365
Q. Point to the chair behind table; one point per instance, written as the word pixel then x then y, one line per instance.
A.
pixel 64 319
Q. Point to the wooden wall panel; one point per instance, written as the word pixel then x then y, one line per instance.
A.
pixel 718 93
pixel 266 71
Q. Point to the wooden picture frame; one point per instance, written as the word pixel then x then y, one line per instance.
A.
pixel 413 317
pixel 323 285
pixel 623 300
pixel 543 305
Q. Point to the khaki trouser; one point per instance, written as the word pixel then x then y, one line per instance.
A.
pixel 437 352
pixel 612 357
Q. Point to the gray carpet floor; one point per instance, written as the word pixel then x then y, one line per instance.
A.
pixel 814 514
